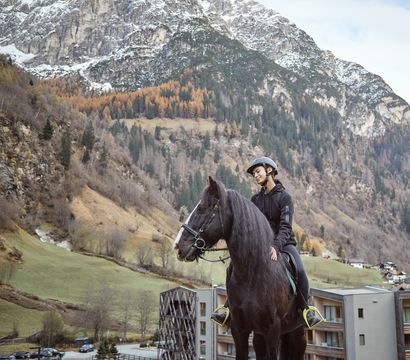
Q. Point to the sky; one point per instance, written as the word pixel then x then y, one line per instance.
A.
pixel 372 33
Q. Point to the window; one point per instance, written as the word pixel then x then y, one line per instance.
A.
pixel 309 336
pixel 202 326
pixel 202 309
pixel 202 347
pixel 360 313
pixel 334 339
pixel 407 341
pixel 362 340
pixel 230 349
pixel 406 314
pixel 332 313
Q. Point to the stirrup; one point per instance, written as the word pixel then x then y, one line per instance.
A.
pixel 217 317
pixel 312 317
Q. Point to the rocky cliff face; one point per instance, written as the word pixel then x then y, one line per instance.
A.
pixel 124 45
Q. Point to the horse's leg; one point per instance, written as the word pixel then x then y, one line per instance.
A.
pixel 241 338
pixel 273 342
pixel 294 345
pixel 259 345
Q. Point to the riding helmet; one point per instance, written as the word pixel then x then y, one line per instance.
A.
pixel 263 161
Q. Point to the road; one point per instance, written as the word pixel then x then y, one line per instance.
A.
pixel 129 349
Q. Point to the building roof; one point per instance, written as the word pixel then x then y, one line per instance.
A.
pixel 178 288
pixel 355 291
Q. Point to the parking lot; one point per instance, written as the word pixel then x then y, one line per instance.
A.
pixel 128 349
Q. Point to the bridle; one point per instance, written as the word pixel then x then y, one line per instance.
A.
pixel 199 243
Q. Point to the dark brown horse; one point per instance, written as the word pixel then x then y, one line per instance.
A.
pixel 258 288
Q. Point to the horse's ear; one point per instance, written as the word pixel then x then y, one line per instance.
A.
pixel 213 187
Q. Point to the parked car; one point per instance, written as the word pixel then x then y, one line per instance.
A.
pixel 55 352
pixel 87 347
pixel 7 357
pixel 44 354
pixel 22 355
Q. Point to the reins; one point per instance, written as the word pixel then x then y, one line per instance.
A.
pixel 221 259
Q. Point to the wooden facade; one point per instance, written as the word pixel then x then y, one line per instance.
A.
pixel 177 324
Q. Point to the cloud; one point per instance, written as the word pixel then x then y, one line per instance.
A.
pixel 373 33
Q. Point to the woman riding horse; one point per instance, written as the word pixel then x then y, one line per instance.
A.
pixel 276 204
pixel 258 288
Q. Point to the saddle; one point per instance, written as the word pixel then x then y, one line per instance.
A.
pixel 291 270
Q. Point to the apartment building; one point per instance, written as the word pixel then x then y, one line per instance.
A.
pixel 402 302
pixel 360 325
pixel 186 331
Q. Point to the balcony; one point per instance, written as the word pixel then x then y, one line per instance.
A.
pixel 406 328
pixel 330 325
pixel 225 356
pixel 325 350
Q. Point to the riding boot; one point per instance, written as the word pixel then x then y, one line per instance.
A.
pixel 221 315
pixel 312 316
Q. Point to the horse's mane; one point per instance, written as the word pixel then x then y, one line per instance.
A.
pixel 251 238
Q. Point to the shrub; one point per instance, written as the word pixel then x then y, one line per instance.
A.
pixel 8 214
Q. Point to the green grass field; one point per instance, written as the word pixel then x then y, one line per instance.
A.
pixel 325 273
pixel 51 272
pixel 27 321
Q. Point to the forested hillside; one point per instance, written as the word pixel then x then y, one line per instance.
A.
pixel 349 190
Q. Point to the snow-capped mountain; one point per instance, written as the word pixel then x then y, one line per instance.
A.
pixel 128 44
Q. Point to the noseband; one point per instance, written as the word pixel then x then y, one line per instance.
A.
pixel 200 243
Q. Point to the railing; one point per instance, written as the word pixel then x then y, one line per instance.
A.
pixel 334 320
pixel 325 350
pixel 122 357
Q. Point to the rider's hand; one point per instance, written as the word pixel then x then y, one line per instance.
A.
pixel 273 254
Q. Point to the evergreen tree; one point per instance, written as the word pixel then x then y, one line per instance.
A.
pixel 86 156
pixel 103 350
pixel 322 231
pixel 48 130
pixel 113 351
pixel 103 160
pixel 217 155
pixel 65 153
pixel 207 141
pixel 340 252
pixel 405 218
pixel 217 133
pixel 88 138
pixel 157 133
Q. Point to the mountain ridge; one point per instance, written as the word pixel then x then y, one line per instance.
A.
pixel 117 45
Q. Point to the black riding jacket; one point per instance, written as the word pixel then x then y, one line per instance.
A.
pixel 277 206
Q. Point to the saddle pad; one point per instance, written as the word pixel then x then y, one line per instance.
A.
pixel 291 282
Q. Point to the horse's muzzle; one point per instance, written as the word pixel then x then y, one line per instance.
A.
pixel 190 254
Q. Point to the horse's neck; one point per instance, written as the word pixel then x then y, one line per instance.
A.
pixel 247 262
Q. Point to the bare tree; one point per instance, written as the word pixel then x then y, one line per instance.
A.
pixel 165 251
pixel 79 233
pixel 128 305
pixel 53 326
pixel 8 214
pixel 98 304
pixel 115 241
pixel 144 253
pixel 145 306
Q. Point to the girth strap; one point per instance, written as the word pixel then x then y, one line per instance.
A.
pixel 291 270
pixel 292 283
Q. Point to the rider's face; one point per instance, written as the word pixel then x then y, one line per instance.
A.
pixel 259 174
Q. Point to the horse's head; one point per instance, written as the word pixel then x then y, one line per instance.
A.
pixel 206 224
